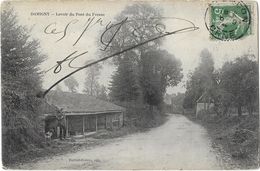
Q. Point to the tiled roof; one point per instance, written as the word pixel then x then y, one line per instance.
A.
pixel 79 103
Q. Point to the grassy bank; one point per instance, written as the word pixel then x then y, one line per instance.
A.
pixel 234 138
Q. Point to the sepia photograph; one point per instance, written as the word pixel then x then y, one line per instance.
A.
pixel 130 85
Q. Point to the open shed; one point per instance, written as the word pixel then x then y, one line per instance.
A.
pixel 84 113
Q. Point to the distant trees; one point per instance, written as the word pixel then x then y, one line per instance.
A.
pixel 102 93
pixel 72 84
pixel 91 85
pixel 21 80
pixel 234 85
pixel 177 102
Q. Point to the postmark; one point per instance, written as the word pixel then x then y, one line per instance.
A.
pixel 228 21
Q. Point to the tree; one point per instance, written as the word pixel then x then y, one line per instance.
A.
pixel 102 93
pixel 143 22
pixel 160 71
pixel 222 101
pixel 124 85
pixel 188 101
pixel 91 85
pixel 240 79
pixel 72 84
pixel 132 83
pixel 21 81
pixel 202 80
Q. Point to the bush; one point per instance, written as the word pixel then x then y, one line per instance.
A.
pixel 141 115
pixel 21 81
pixel 238 135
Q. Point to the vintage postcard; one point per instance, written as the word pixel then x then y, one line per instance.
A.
pixel 118 85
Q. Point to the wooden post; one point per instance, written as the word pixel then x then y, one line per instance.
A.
pixel 83 124
pixel 96 123
pixel 58 132
pixel 121 119
pixel 67 126
pixel 105 121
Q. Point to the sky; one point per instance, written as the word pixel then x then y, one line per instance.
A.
pixel 186 46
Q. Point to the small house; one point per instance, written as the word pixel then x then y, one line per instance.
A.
pixel 205 103
pixel 84 113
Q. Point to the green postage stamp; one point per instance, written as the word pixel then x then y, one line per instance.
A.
pixel 229 21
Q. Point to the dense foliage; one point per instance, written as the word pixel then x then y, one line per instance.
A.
pixel 160 70
pixel 143 73
pixel 20 82
pixel 239 80
pixel 124 85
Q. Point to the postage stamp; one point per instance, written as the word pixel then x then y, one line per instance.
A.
pixel 228 21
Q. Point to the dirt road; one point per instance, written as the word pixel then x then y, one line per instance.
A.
pixel 178 144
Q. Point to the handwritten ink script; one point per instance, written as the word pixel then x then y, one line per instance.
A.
pixel 107 36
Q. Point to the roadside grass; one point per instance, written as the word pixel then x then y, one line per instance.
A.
pixel 108 134
pixel 234 138
pixel 141 125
